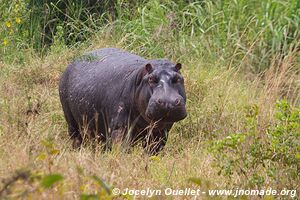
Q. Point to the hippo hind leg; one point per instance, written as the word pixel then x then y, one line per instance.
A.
pixel 73 129
pixel 75 135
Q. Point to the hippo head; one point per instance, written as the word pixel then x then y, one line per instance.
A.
pixel 161 94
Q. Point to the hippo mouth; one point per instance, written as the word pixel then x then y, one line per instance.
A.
pixel 173 115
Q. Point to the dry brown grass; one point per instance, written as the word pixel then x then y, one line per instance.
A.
pixel 31 113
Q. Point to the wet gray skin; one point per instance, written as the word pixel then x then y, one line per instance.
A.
pixel 115 95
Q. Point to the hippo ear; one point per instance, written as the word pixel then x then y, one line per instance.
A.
pixel 144 71
pixel 149 68
pixel 177 67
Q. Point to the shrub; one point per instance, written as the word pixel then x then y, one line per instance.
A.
pixel 263 158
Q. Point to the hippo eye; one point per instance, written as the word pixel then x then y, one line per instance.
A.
pixel 152 79
pixel 176 79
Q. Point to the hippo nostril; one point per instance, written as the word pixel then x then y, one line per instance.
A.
pixel 177 102
pixel 159 101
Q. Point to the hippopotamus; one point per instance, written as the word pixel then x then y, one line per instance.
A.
pixel 115 96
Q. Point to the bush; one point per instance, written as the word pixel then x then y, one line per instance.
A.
pixel 271 157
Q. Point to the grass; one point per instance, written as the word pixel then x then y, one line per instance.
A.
pixel 237 67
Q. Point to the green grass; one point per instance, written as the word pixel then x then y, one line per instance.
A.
pixel 240 60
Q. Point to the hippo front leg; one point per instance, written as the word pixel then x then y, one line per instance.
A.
pixel 117 135
pixel 119 126
pixel 155 141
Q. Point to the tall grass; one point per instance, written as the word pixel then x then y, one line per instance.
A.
pixel 248 34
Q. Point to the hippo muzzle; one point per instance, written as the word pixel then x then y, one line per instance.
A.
pixel 168 109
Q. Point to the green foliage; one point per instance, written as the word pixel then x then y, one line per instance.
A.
pixel 13 24
pixel 50 179
pixel 196 181
pixel 49 153
pixel 225 30
pixel 261 155
pixel 38 24
pixel 78 19
pixel 247 34
pixel 284 135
